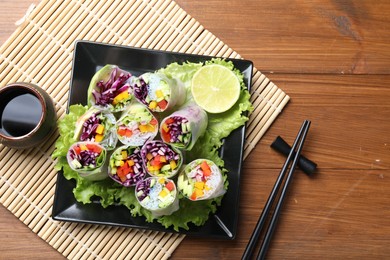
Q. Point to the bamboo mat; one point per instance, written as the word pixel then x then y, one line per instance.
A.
pixel 41 50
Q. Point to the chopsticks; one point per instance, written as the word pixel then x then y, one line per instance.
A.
pixel 293 157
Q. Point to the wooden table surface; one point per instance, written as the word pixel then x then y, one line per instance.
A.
pixel 332 58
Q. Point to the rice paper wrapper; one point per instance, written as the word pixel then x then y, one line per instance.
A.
pixel 161 159
pixel 110 89
pixel 200 182
pixel 125 166
pixel 97 126
pixel 183 127
pixel 159 92
pixel 136 125
pixel 158 195
pixel 88 159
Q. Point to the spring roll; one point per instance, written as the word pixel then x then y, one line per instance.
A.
pixel 97 126
pixel 160 159
pixel 125 166
pixel 110 89
pixel 157 194
pixel 201 179
pixel 136 125
pixel 158 92
pixel 88 159
pixel 183 127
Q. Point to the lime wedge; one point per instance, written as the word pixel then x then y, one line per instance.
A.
pixel 215 88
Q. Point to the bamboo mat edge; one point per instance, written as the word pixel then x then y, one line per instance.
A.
pixel 21 197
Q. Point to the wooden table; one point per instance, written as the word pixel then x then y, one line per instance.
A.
pixel 333 59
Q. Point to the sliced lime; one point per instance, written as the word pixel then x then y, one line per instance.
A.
pixel 215 88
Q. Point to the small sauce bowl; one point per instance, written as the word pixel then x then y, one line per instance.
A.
pixel 27 115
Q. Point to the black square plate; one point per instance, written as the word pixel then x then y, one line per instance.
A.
pixel 89 57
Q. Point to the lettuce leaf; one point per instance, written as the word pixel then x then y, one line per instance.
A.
pixel 111 193
pixel 66 127
pixel 195 212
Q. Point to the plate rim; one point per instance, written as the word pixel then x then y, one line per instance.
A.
pixel 56 214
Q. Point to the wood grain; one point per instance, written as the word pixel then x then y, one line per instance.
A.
pixel 333 58
pixel 316 36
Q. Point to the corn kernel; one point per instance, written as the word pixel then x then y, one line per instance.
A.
pixel 153 168
pixel 98 138
pixel 121 96
pixel 150 128
pixel 100 129
pixel 143 128
pixel 130 162
pixel 163 193
pixel 153 105
pixel 199 185
pixel 199 193
pixel 173 164
pixel 159 93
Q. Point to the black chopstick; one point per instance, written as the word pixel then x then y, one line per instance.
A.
pixel 292 157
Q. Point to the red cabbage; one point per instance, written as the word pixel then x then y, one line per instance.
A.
pixel 105 92
pixel 89 127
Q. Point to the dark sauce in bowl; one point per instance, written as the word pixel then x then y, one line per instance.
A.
pixel 27 115
pixel 20 113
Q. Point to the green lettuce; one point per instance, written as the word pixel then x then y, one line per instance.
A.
pixel 109 192
pixel 66 128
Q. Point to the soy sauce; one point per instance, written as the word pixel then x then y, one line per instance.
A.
pixel 20 113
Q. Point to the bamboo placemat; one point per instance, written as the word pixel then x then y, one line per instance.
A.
pixel 41 50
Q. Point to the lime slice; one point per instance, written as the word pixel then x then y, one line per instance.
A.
pixel 215 88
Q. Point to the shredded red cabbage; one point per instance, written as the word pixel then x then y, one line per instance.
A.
pixel 105 92
pixel 141 90
pixel 145 187
pixel 89 127
pixel 175 129
pixel 158 147
pixel 85 158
